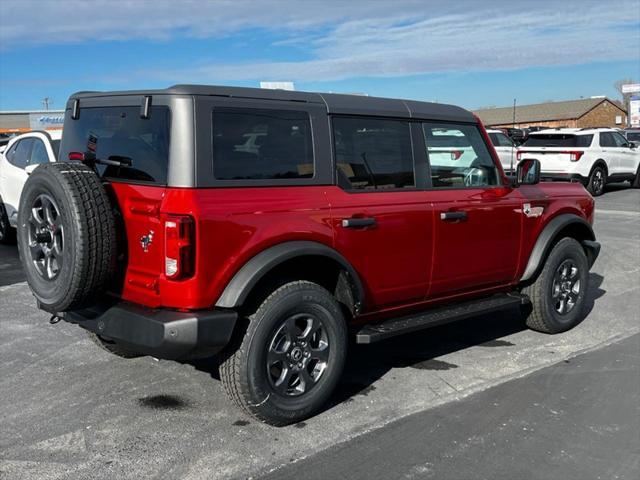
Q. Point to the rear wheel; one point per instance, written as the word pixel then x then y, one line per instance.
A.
pixel 558 293
pixel 597 181
pixel 290 359
pixel 7 234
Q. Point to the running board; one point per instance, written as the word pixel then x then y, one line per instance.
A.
pixel 438 316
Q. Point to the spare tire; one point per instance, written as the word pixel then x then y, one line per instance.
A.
pixel 66 235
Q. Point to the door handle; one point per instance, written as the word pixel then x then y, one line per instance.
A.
pixel 358 222
pixel 446 216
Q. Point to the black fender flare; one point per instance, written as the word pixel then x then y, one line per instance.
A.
pixel 545 242
pixel 239 287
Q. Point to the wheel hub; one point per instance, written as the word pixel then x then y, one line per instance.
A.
pixel 298 355
pixel 46 237
pixel 565 289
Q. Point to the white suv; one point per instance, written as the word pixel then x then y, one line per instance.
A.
pixel 593 156
pixel 505 148
pixel 22 155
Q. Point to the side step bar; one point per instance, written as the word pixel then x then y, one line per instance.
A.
pixel 438 316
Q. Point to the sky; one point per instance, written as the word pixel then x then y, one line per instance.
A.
pixel 470 53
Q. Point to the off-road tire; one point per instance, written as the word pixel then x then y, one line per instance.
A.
pixel 89 237
pixel 542 314
pixel 597 181
pixel 111 346
pixel 243 364
pixel 7 233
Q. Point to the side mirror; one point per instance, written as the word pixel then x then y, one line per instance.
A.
pixel 528 172
pixel 30 168
pixel 633 144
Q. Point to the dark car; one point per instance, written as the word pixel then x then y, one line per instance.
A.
pixel 163 235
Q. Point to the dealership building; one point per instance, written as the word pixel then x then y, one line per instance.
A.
pixel 25 120
pixel 581 113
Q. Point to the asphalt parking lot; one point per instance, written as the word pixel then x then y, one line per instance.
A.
pixel 70 410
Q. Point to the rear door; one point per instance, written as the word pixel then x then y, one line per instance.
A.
pixel 477 220
pixel 611 153
pixel 117 133
pixel 381 223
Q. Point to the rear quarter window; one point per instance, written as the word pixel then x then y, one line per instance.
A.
pixel 261 144
pixel 118 133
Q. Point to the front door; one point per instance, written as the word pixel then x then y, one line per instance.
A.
pixel 14 175
pixel 380 220
pixel 477 219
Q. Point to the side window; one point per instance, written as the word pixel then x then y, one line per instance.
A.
pixel 584 140
pixel 21 151
pixel 458 156
pixel 373 154
pixel 39 153
pixel 504 141
pixel 260 144
pixel 620 140
pixel 606 140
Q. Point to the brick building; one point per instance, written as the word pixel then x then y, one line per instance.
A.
pixel 587 112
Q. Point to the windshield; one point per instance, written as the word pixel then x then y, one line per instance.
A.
pixel 119 134
pixel 558 140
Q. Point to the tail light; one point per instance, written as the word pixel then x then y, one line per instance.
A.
pixel 574 156
pixel 456 154
pixel 179 247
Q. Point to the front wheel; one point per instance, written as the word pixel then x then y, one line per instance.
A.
pixel 558 293
pixel 290 359
pixel 597 181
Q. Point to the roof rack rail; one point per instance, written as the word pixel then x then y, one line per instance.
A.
pixel 595 128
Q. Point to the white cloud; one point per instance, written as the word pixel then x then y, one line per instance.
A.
pixel 347 39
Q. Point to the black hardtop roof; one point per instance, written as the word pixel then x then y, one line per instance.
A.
pixel 334 102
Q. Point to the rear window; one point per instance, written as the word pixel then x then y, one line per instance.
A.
pixel 118 133
pixel 261 144
pixel 558 140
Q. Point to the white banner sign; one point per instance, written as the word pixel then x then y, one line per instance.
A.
pixel 631 88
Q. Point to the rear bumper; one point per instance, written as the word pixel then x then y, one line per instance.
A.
pixel 165 334
pixel 563 177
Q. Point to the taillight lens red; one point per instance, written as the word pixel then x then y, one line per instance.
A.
pixel 574 156
pixel 76 156
pixel 179 247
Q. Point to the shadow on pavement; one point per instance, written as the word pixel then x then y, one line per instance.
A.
pixel 368 363
pixel 10 267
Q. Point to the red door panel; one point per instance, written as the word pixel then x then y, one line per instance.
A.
pixel 392 256
pixel 480 250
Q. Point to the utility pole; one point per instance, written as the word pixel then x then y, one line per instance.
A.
pixel 46 101
pixel 514 113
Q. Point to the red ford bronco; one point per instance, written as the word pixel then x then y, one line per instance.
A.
pixel 267 227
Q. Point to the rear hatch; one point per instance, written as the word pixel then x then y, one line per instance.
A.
pixel 131 156
pixel 555 151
